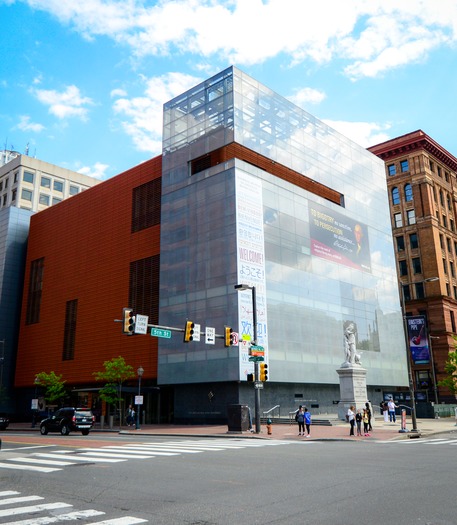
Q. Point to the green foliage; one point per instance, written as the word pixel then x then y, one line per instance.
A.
pixel 54 389
pixel 116 372
pixel 450 368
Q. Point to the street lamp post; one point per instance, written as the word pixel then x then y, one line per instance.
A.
pixel 239 288
pixel 140 373
pixel 432 359
pixel 412 392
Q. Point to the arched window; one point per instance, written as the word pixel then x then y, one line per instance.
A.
pixel 395 196
pixel 408 193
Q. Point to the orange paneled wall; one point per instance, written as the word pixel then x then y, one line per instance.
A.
pixel 87 246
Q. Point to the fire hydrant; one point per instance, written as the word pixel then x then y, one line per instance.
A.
pixel 269 426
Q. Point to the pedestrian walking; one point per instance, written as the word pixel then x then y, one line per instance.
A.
pixel 300 419
pixel 358 422
pixel 392 406
pixel 385 411
pixel 351 419
pixel 307 422
pixel 130 419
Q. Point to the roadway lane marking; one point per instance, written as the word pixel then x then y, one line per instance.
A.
pixel 28 467
pixel 41 461
pixel 109 455
pixel 128 520
pixel 70 516
pixel 25 448
pixel 33 508
pixel 82 458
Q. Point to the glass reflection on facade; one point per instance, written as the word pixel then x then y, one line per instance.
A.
pixel 325 264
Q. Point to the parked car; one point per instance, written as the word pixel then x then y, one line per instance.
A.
pixel 4 422
pixel 66 420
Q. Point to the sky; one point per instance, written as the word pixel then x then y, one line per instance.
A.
pixel 83 82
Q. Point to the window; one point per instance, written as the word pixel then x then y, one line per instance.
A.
pixel 420 292
pixel 451 221
pixel 445 266
pixel 448 290
pixel 74 190
pixel 5 199
pixel 448 242
pixel 13 195
pixel 391 169
pixel 434 193
pixel 445 221
pixel 70 330
pixel 146 202
pixel 398 220
pixel 408 193
pixel 406 292
pixel 455 292
pixel 423 379
pixel 441 198
pixel 403 268
pixel 448 202
pixel 451 268
pixel 144 287
pixel 44 199
pixel 439 172
pixel 413 241
pixel 34 294
pixel 1 185
pixel 15 177
pixel 6 183
pixel 400 243
pixel 27 177
pixel 452 320
pixel 26 195
pixel 56 200
pixel 432 166
pixel 58 186
pixel 411 216
pixel 446 176
pixel 404 166
pixel 45 182
pixel 395 196
pixel 417 265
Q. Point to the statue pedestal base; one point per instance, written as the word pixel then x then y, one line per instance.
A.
pixel 353 388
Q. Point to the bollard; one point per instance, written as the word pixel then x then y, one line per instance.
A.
pixel 403 421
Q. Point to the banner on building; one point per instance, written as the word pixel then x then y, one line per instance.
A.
pixel 418 340
pixel 338 238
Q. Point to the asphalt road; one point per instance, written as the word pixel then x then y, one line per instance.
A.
pixel 221 481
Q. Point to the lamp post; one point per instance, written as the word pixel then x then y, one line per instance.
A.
pixel 140 373
pixel 412 392
pixel 240 288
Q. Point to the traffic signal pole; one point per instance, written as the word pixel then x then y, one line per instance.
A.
pixel 256 364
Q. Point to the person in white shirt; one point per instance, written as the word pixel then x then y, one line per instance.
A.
pixel 351 419
pixel 392 406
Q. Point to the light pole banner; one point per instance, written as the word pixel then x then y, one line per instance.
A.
pixel 250 267
pixel 418 340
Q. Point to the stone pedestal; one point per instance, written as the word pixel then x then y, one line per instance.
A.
pixel 353 388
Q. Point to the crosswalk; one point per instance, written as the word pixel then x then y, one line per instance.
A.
pixel 420 441
pixel 13 505
pixel 47 461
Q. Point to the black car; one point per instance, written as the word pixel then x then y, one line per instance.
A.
pixel 4 422
pixel 67 420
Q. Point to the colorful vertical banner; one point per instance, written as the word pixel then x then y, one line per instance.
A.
pixel 418 340
pixel 251 267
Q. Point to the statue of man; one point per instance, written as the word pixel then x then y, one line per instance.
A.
pixel 349 342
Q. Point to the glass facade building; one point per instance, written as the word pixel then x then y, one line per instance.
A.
pixel 302 214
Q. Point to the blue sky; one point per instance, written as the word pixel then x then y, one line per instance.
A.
pixel 82 82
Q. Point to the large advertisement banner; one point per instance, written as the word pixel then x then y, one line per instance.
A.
pixel 418 340
pixel 338 238
pixel 251 267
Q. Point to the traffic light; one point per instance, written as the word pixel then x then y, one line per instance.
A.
pixel 228 336
pixel 250 378
pixel 263 372
pixel 189 331
pixel 128 321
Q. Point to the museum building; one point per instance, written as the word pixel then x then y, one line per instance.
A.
pixel 249 190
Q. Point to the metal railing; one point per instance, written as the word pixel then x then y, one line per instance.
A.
pixel 269 412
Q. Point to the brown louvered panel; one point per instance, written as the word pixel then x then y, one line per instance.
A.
pixel 235 150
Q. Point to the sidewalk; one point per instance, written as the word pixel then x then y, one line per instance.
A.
pixel 339 430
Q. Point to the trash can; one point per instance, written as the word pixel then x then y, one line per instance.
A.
pixel 238 418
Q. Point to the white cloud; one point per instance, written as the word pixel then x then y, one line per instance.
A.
pixel 368 37
pixel 65 104
pixel 98 170
pixel 26 125
pixel 142 116
pixel 306 95
pixel 363 133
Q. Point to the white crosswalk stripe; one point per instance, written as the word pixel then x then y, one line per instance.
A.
pixel 420 441
pixel 46 462
pixel 11 497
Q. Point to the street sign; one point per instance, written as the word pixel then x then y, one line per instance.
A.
pixel 210 336
pixel 258 385
pixel 257 350
pixel 141 324
pixel 160 332
pixel 196 332
pixel 256 358
pixel 138 400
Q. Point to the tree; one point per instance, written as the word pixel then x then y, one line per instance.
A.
pixel 450 382
pixel 116 372
pixel 54 389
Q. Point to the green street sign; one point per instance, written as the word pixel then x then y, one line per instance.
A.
pixel 159 332
pixel 256 358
